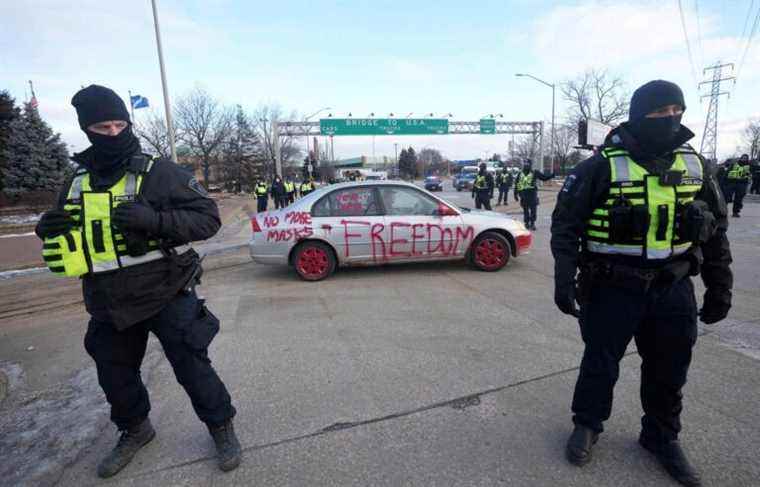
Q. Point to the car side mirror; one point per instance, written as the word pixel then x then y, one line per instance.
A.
pixel 444 210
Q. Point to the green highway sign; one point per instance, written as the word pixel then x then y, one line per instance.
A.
pixel 383 126
pixel 487 126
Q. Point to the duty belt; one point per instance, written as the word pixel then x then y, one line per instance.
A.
pixel 635 278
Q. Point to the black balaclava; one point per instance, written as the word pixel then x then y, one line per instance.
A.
pixel 744 159
pixel 110 154
pixel 482 169
pixel 656 136
pixel 527 165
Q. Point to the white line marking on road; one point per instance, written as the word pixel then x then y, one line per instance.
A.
pixel 17 235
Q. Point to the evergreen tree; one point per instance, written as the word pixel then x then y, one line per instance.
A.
pixel 8 113
pixel 242 154
pixel 37 159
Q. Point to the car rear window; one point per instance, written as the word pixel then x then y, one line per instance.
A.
pixel 360 201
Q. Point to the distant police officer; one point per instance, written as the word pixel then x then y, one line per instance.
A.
pixel 482 188
pixel 737 179
pixel 306 187
pixel 526 191
pixel 262 196
pixel 290 191
pixel 646 213
pixel 121 225
pixel 504 182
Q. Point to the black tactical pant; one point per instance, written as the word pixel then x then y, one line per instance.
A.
pixel 261 203
pixel 529 203
pixel 482 199
pixel 185 329
pixel 503 195
pixel 737 190
pixel 755 188
pixel 664 324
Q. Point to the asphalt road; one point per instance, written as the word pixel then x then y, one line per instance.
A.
pixel 428 374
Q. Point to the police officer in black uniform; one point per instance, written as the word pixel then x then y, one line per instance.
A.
pixel 638 219
pixel 482 188
pixel 130 301
pixel 526 191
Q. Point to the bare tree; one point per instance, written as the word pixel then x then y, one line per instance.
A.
pixel 154 135
pixel 596 94
pixel 431 160
pixel 263 117
pixel 205 125
pixel 565 140
pixel 752 138
pixel 526 147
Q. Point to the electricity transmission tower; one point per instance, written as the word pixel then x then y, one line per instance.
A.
pixel 710 135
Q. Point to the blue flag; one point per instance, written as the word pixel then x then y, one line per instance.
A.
pixel 139 101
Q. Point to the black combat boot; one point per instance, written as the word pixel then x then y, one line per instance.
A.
pixel 672 457
pixel 579 445
pixel 227 446
pixel 130 442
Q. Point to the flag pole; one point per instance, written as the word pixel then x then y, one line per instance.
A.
pixel 167 104
pixel 131 106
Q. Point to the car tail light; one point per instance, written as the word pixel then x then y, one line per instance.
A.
pixel 524 242
pixel 255 225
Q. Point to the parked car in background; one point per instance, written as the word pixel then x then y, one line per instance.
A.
pixel 433 183
pixel 464 181
pixel 380 222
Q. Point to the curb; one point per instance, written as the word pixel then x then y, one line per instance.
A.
pixel 10 274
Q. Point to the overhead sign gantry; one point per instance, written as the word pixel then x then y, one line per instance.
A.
pixel 337 127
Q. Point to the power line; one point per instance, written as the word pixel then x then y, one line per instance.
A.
pixel 749 42
pixel 699 34
pixel 688 45
pixel 710 135
pixel 747 17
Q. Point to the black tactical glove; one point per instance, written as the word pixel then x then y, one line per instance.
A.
pixel 137 217
pixel 54 223
pixel 564 298
pixel 715 306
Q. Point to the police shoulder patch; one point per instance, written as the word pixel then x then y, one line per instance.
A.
pixel 197 187
pixel 569 182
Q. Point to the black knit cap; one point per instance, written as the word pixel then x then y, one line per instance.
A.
pixel 653 95
pixel 96 104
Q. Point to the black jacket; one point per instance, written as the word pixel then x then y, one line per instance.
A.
pixel 133 294
pixel 587 187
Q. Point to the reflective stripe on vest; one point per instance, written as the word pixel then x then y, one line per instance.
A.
pixel 261 189
pixel 636 185
pixel 738 172
pixel 480 182
pixel 526 181
pixel 104 248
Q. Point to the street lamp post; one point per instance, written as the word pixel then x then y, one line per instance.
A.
pixel 552 86
pixel 167 103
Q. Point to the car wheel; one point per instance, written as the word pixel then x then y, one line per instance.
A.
pixel 314 261
pixel 490 252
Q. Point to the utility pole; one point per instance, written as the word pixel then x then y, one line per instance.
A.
pixel 167 103
pixel 709 147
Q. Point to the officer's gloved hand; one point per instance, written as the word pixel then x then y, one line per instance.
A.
pixel 54 223
pixel 715 306
pixel 137 217
pixel 564 298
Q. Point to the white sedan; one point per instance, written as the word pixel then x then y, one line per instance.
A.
pixel 379 222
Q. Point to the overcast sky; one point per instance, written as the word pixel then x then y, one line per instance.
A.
pixel 377 56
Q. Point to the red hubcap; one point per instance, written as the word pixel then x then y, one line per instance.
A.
pixel 312 262
pixel 490 254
